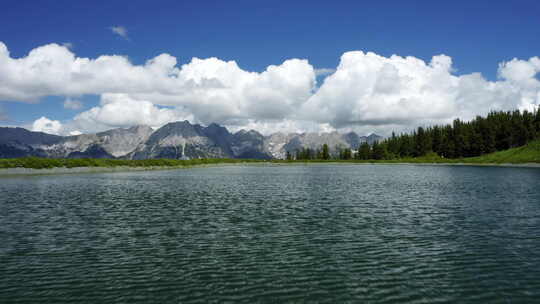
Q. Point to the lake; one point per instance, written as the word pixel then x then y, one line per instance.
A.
pixel 316 233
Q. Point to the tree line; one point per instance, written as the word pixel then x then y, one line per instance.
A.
pixel 497 131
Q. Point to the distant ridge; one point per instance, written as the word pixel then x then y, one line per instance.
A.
pixel 175 140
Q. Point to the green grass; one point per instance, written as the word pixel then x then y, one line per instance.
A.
pixel 529 153
pixel 521 155
pixel 44 163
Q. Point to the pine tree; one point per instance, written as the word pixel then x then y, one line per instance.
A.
pixel 325 152
pixel 345 154
pixel 319 154
pixel 495 132
pixel 364 151
pixel 378 151
pixel 436 139
pixel 422 142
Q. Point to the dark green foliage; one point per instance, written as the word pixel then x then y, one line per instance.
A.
pixel 406 145
pixel 497 132
pixel 43 163
pixel 289 156
pixel 345 154
pixel 423 142
pixel 325 152
pixel 392 146
pixel 364 151
pixel 483 135
pixel 529 153
pixel 378 151
pixel 305 154
pixel 310 154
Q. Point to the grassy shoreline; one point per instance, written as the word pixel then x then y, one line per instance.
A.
pixel 528 156
pixel 7 172
pixel 65 170
pixel 49 163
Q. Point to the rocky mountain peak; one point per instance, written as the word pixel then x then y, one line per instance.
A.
pixel 371 138
pixel 179 139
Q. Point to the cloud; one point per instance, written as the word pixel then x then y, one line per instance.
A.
pixel 119 110
pixel 120 31
pixel 46 125
pixel 324 71
pixel 285 126
pixel 365 92
pixel 3 115
pixel 201 84
pixel 72 104
pixel 368 89
pixel 69 45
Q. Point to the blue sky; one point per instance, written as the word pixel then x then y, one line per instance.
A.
pixel 477 35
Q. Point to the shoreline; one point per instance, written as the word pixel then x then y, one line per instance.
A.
pixel 75 170
pixel 7 172
pixel 503 165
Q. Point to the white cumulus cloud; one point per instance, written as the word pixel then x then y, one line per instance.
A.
pixel 46 125
pixel 119 110
pixel 366 91
pixel 74 133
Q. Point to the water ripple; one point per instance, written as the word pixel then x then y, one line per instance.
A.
pixel 321 233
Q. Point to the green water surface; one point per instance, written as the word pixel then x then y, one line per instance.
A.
pixel 247 234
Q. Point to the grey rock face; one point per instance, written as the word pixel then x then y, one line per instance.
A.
pixel 373 138
pixel 249 144
pixel 279 144
pixel 25 137
pixel 119 142
pixel 220 136
pixel 177 140
pixel 18 142
pixel 93 151
pixel 353 140
pixel 182 140
pixel 274 144
pixel 113 143
pixel 334 140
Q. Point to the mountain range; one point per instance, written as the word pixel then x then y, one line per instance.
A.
pixel 177 140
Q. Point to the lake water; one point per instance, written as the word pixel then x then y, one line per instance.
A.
pixel 316 233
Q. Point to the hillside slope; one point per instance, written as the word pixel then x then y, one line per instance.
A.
pixel 529 153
